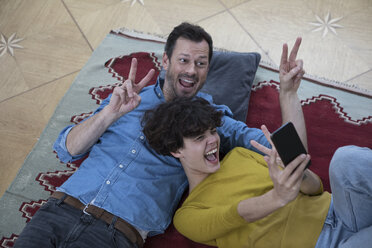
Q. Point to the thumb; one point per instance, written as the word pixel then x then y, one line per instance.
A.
pixel 137 97
pixel 292 73
pixel 136 100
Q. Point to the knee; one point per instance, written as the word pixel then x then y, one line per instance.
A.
pixel 347 159
pixel 341 157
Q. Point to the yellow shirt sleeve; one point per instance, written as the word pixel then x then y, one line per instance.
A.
pixel 205 224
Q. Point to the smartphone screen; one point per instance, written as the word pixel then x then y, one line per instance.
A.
pixel 288 143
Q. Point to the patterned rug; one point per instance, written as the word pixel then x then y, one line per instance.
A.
pixel 334 118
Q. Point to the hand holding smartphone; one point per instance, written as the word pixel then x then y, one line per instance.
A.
pixel 288 144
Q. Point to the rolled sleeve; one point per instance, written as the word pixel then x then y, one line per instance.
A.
pixel 61 149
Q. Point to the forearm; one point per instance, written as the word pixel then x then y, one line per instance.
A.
pixel 255 208
pixel 311 184
pixel 86 134
pixel 291 110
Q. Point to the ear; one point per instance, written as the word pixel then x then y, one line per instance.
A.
pixel 177 154
pixel 165 61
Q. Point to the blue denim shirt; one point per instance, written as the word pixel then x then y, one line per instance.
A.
pixel 124 176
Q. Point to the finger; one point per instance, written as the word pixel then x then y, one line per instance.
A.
pixel 119 92
pixel 298 174
pixel 129 88
pixel 293 73
pixel 295 168
pixel 135 101
pixel 296 46
pixel 280 162
pixel 271 161
pixel 145 80
pixel 133 70
pixel 273 158
pixel 267 135
pixel 284 58
pixel 300 63
pixel 137 98
pixel 299 77
pixel 260 147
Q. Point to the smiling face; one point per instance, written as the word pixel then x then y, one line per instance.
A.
pixel 186 70
pixel 199 155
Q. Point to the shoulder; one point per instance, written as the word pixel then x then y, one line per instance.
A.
pixel 240 155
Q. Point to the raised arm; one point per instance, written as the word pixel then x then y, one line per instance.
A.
pixel 124 99
pixel 290 74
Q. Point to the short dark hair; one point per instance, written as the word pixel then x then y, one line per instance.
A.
pixel 191 32
pixel 167 124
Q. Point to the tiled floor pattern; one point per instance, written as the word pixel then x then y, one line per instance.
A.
pixel 44 44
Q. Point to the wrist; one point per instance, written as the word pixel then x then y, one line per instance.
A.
pixel 287 94
pixel 109 116
pixel 276 199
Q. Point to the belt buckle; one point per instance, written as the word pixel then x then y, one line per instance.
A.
pixel 85 208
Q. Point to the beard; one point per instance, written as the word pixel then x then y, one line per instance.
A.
pixel 170 89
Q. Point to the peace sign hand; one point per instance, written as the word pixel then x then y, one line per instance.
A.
pixel 125 98
pixel 290 69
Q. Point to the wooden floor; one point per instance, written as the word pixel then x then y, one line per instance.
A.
pixel 44 44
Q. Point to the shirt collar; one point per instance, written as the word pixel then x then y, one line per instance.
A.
pixel 158 88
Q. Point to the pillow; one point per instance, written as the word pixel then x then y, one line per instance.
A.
pixel 230 79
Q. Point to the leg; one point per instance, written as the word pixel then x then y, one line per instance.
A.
pixel 361 239
pixel 57 224
pixel 91 232
pixel 350 177
pixel 47 227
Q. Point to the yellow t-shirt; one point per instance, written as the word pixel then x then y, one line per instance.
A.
pixel 209 215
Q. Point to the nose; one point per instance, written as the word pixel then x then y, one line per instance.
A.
pixel 190 69
pixel 213 138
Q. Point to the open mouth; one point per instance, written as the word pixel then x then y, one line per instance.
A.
pixel 187 83
pixel 212 156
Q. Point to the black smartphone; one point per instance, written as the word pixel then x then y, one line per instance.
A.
pixel 288 143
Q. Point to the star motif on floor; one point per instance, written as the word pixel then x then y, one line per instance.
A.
pixel 9 44
pixel 134 1
pixel 328 24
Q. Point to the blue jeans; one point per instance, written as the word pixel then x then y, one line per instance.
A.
pixel 349 219
pixel 57 224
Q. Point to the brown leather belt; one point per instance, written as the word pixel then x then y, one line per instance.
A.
pixel 127 229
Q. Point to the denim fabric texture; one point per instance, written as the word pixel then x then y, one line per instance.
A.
pixel 57 224
pixel 349 220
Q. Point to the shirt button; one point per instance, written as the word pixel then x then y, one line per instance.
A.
pixel 108 182
pixel 141 137
pixel 133 151
pixel 159 95
pixel 121 166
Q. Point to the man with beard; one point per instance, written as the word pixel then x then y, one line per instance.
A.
pixel 124 191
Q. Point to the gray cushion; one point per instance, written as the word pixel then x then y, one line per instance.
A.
pixel 230 79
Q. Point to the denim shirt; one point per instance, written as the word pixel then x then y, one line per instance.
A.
pixel 124 176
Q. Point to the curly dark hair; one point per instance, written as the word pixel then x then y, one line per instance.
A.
pixel 167 124
pixel 191 32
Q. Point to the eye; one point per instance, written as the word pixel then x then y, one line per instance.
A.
pixel 183 60
pixel 201 64
pixel 199 138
